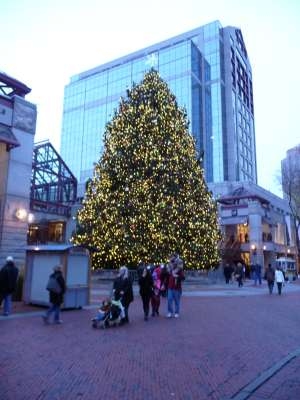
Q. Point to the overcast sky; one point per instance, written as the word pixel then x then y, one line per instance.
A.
pixel 44 42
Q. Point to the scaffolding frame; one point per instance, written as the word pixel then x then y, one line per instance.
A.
pixel 53 186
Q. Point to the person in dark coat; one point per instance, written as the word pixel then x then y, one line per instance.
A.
pixel 8 283
pixel 270 277
pixel 239 274
pixel 228 272
pixel 257 273
pixel 122 289
pixel 146 290
pixel 56 296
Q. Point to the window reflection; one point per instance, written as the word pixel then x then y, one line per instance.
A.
pixel 45 232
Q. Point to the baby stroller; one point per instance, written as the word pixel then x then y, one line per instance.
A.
pixel 115 315
pixel 110 314
pixel 102 314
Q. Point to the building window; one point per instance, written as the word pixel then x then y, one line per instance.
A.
pixel 56 232
pixel 45 232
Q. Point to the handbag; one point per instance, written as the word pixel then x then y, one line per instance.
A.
pixel 53 285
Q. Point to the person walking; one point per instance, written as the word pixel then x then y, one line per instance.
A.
pixel 164 276
pixel 176 276
pixel 227 272
pixel 122 289
pixel 8 283
pixel 270 278
pixel 146 290
pixel 279 279
pixel 56 287
pixel 239 274
pixel 157 284
pixel 257 274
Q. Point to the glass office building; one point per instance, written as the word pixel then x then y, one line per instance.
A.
pixel 209 72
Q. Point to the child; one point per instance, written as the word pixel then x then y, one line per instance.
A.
pixel 164 276
pixel 117 309
pixel 155 299
pixel 102 312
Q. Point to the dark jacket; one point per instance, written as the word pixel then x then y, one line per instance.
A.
pixel 270 275
pixel 8 278
pixel 146 285
pixel 239 272
pixel 58 298
pixel 228 270
pixel 164 276
pixel 257 268
pixel 125 286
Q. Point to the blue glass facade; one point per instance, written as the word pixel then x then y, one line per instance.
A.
pixel 208 71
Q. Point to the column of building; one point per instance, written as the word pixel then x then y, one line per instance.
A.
pixel 255 234
pixel 16 168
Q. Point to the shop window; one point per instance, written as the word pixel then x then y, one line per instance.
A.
pixel 45 232
pixel 56 232
pixel 37 234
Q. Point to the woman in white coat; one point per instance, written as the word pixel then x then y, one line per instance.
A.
pixel 279 279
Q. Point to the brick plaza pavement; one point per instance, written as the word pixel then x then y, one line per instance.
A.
pixel 225 340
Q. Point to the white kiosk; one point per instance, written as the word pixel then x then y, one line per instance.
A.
pixel 75 263
pixel 288 266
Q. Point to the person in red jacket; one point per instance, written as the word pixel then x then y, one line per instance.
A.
pixel 157 284
pixel 176 276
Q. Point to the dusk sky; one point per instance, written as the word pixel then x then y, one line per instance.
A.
pixel 44 42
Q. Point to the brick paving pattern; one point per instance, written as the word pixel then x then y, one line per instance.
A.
pixel 284 385
pixel 219 345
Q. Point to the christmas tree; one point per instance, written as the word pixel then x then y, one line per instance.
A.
pixel 148 197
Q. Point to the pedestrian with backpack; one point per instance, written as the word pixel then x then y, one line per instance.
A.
pixel 56 287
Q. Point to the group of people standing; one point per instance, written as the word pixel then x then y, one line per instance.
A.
pixel 162 280
pixel 234 272
pixel 154 282
pixel 271 275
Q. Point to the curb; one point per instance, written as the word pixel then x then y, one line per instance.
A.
pixel 249 389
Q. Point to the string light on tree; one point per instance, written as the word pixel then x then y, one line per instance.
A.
pixel 148 197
